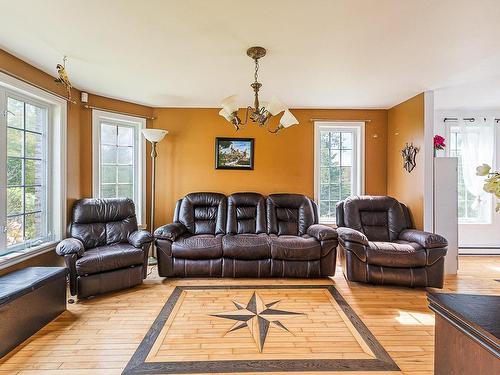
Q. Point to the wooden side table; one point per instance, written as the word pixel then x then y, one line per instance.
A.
pixel 467 334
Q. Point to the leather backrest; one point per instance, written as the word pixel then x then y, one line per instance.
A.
pixel 204 213
pixel 339 214
pixel 176 210
pixel 289 214
pixel 99 222
pixel 246 213
pixel 380 218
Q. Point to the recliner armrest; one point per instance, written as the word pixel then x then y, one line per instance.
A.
pixel 70 246
pixel 425 239
pixel 139 238
pixel 352 235
pixel 322 232
pixel 170 231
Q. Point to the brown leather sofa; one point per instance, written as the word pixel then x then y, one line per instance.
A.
pixel 378 246
pixel 245 235
pixel 106 250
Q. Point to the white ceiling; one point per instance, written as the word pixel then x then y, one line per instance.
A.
pixel 321 54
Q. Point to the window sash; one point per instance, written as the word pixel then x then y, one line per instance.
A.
pixel 100 119
pixel 356 181
pixel 44 184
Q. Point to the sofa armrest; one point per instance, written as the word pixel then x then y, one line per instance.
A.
pixel 170 231
pixel 139 238
pixel 352 235
pixel 70 246
pixel 322 232
pixel 425 239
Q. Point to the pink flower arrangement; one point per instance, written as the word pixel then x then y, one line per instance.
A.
pixel 439 142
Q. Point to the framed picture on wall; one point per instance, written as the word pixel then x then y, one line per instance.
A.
pixel 234 153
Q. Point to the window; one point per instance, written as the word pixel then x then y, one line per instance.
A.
pixel 32 169
pixel 338 165
pixel 119 158
pixel 469 211
pixel 26 171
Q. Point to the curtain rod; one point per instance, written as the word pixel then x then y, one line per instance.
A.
pixel 119 112
pixel 470 119
pixel 335 120
pixel 36 85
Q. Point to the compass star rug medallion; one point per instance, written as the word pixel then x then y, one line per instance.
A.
pixel 261 328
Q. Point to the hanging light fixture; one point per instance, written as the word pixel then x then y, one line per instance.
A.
pixel 257 114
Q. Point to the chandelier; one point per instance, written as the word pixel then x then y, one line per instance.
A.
pixel 257 114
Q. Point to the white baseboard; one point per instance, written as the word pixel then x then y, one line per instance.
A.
pixel 479 251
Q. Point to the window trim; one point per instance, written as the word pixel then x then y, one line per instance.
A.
pixel 57 166
pixel 140 157
pixel 359 128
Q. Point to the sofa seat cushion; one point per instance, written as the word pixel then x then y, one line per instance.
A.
pixel 295 248
pixel 396 254
pixel 109 257
pixel 200 246
pixel 246 246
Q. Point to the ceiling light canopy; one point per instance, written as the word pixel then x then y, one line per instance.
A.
pixel 257 114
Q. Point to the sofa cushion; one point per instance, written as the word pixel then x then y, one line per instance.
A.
pixel 380 218
pixel 295 248
pixel 99 222
pixel 396 254
pixel 204 213
pixel 107 258
pixel 289 214
pixel 246 213
pixel 201 246
pixel 246 246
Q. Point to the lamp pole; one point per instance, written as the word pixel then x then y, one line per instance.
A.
pixel 153 136
pixel 152 259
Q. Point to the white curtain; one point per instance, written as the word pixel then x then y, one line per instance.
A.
pixel 477 148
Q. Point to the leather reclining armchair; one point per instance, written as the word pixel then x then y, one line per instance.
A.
pixel 106 250
pixel 245 235
pixel 376 244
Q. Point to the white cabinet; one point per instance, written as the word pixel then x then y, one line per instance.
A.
pixel 446 208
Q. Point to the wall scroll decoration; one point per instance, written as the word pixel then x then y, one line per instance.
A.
pixel 409 153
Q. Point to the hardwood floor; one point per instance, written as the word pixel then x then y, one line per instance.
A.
pixel 99 336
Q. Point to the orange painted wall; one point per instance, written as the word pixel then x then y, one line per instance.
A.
pixel 406 124
pixel 13 66
pixel 283 162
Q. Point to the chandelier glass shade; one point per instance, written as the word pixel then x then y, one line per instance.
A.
pixel 258 114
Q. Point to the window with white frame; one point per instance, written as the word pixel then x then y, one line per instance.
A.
pixel 338 165
pixel 32 182
pixel 119 162
pixel 469 211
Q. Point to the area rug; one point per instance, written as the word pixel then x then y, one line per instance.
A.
pixel 261 328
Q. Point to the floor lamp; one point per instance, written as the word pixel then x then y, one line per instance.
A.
pixel 153 136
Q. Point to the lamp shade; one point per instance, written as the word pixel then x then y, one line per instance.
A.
pixel 154 135
pixel 275 106
pixel 288 119
pixel 227 116
pixel 229 104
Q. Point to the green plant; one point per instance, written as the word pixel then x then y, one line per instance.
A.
pixel 492 182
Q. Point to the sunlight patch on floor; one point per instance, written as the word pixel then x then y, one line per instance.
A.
pixel 413 318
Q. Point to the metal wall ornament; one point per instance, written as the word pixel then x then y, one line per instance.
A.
pixel 409 153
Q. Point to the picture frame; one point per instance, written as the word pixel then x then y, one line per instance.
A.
pixel 234 153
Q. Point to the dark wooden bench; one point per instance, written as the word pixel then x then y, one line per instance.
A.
pixel 29 299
